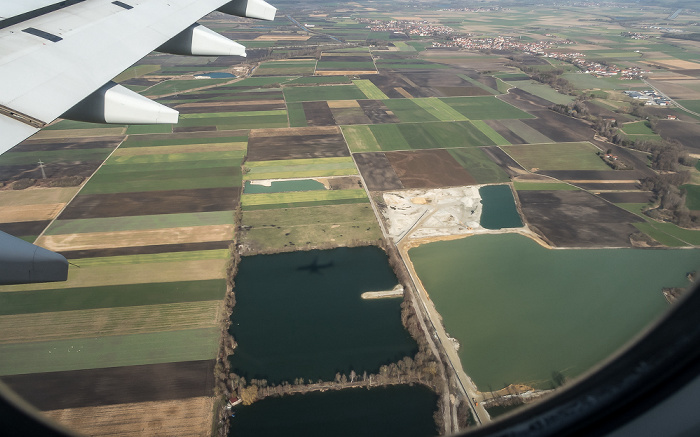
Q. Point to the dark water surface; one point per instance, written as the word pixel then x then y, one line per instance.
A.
pixel 300 314
pixel 399 411
pixel 499 209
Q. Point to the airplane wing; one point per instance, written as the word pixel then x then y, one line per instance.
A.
pixel 57 58
pixel 55 55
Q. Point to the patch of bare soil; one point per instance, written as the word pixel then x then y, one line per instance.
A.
pixel 377 172
pixel 428 169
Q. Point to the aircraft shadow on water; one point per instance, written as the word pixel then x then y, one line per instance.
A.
pixel 315 267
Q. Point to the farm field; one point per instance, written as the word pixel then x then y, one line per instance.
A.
pixel 557 156
pixel 294 140
pixel 296 228
pixel 485 108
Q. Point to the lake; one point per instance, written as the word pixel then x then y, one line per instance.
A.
pixel 499 209
pixel 300 314
pixel 521 311
pixel 400 411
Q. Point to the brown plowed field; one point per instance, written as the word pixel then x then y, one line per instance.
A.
pixel 560 128
pixel 389 83
pixel 142 250
pixel 457 91
pixel 686 133
pixel 377 111
pixel 115 385
pixel 428 169
pixel 503 160
pixel 631 197
pixel 377 172
pixel 52 170
pixel 194 129
pixel 318 114
pixel 506 133
pixel 296 147
pixel 73 144
pixel 156 202
pixel 344 183
pixel 182 417
pixel 24 228
pixel 348 116
pixel 577 219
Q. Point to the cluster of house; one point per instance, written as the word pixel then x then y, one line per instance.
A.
pixel 597 69
pixel 479 9
pixel 634 35
pixel 508 43
pixel 650 97
pixel 409 27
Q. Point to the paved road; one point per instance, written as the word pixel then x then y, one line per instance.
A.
pixel 671 100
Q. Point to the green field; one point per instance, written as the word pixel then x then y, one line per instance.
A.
pixel 297 116
pixel 485 108
pixel 237 122
pixel 637 128
pixel 136 71
pixel 139 222
pixel 316 93
pixel 439 109
pixel 175 157
pixel 300 197
pixel 285 68
pixel 299 168
pixel 475 161
pixel 109 351
pixel 409 111
pixel 490 132
pixel 525 132
pixel 165 257
pixel 544 91
pixel 692 105
pixel 557 156
pixel 369 89
pixel 161 180
pixel 407 136
pixel 294 227
pixel 70 299
pixel 360 139
pixel 405 65
pixel 389 137
pixel 179 86
pixel 692 200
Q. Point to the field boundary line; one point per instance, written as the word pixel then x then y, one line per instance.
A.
pixel 81 188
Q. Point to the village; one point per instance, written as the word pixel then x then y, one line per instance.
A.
pixel 409 27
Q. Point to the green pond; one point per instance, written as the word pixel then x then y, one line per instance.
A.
pixel 383 412
pixel 499 209
pixel 522 312
pixel 283 186
pixel 300 314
